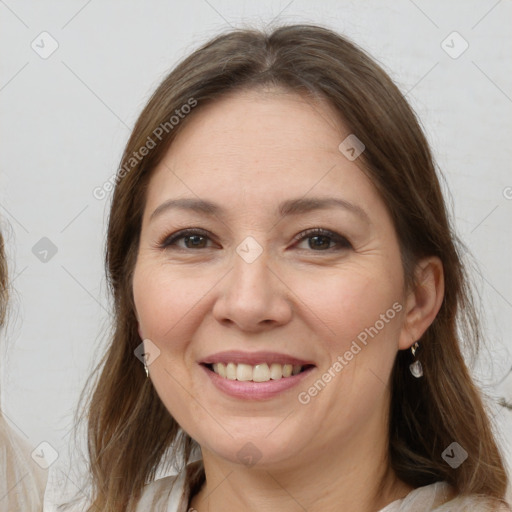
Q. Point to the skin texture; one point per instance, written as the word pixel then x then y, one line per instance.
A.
pixel 249 152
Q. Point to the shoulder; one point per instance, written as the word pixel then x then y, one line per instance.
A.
pixel 441 497
pixel 21 468
pixel 168 494
pixel 473 503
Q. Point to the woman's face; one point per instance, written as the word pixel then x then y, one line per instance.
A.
pixel 254 293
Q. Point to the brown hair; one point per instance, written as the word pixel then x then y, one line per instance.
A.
pixel 129 429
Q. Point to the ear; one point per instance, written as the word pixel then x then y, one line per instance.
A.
pixel 423 300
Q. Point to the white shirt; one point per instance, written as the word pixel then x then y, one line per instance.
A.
pixel 169 495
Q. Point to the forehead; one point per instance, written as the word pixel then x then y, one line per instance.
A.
pixel 244 123
pixel 260 146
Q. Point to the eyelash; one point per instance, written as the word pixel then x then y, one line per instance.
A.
pixel 342 242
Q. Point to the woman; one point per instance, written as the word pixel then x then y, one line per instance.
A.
pixel 21 480
pixel 281 260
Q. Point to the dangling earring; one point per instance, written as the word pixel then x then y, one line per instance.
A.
pixel 146 365
pixel 416 368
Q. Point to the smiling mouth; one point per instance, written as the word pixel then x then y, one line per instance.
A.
pixel 256 373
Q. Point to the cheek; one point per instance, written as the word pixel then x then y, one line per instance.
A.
pixel 165 301
pixel 347 303
pixel 359 312
pixel 165 305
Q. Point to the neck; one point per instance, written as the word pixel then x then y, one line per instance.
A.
pixel 358 477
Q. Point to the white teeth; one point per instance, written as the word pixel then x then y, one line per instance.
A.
pixel 261 373
pixel 258 373
pixel 276 371
pixel 243 372
pixel 221 370
pixel 287 370
pixel 230 371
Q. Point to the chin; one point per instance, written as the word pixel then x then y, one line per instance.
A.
pixel 247 449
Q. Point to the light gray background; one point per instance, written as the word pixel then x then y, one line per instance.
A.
pixel 65 119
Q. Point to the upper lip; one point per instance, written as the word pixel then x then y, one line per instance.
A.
pixel 254 358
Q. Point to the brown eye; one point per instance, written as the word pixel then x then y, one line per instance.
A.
pixel 192 239
pixel 321 240
pixel 195 241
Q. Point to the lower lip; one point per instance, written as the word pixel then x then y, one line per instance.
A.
pixel 249 390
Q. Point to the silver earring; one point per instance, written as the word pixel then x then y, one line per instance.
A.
pixel 146 365
pixel 416 368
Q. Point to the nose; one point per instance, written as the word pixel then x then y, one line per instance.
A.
pixel 253 296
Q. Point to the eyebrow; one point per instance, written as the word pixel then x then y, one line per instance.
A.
pixel 286 208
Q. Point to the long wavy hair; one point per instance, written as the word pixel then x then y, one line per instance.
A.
pixel 130 430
